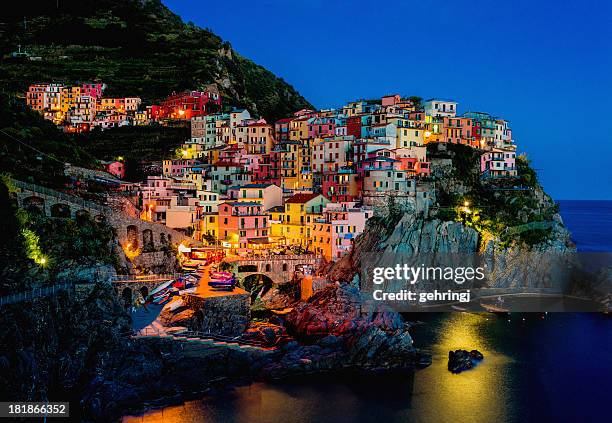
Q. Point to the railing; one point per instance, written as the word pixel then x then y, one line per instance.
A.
pixel 529 226
pixel 278 257
pixel 62 196
pixel 146 278
pixel 35 293
pixel 221 338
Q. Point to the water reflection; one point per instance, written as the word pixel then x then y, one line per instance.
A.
pixel 475 395
pixel 534 369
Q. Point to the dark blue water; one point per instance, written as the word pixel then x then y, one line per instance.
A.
pixel 556 367
pixel 590 223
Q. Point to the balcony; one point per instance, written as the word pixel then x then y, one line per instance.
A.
pixel 253 227
pixel 250 213
pixel 183 186
pixel 377 168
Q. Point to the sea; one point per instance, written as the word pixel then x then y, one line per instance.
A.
pixel 537 367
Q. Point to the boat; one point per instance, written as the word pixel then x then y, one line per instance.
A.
pixel 161 287
pixel 494 308
pixel 454 307
pixel 222 282
pixel 221 275
pixel 226 284
pixel 162 299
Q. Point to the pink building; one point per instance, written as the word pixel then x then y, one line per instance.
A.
pixel 335 233
pixel 242 223
pixel 198 129
pixel 115 168
pixel 390 100
pixel 94 90
pixel 498 163
pixel 320 127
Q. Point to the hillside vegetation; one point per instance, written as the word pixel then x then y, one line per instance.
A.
pixel 501 207
pixel 139 48
pixel 33 149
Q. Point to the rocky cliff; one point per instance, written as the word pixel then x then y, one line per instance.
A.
pixel 511 226
pixel 339 329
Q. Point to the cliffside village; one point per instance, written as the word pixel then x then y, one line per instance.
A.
pixel 308 182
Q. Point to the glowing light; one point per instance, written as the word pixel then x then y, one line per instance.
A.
pixel 427 134
pixel 181 112
pixel 466 203
pixel 184 152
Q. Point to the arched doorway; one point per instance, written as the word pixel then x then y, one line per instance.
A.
pixel 147 240
pixel 34 204
pixel 82 215
pixel 60 210
pixel 144 291
pixel 257 285
pixel 126 296
pixel 132 237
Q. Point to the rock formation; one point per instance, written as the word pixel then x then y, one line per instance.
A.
pixel 460 360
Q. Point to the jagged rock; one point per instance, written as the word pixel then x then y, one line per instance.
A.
pixel 181 316
pixel 265 332
pixel 340 310
pixel 460 360
pixel 276 299
pixel 349 332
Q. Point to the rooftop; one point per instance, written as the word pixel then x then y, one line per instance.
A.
pixel 301 198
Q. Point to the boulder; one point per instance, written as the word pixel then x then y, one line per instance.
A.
pixel 460 360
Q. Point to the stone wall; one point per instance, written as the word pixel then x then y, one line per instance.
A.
pixel 280 269
pixel 227 315
pixel 419 201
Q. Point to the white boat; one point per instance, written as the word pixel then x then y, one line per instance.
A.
pixel 161 287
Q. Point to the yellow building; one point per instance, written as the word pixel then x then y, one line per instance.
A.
pixel 410 137
pixel 192 151
pixel 299 129
pixel 289 172
pixel 294 223
pixel 305 179
pixel 68 98
pixel 208 225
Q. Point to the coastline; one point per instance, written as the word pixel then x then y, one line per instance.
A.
pixel 421 340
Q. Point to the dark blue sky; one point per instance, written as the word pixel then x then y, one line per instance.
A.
pixel 544 65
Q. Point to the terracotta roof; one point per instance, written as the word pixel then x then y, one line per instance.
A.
pixel 301 198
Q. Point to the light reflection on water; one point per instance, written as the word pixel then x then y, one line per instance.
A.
pixel 520 379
